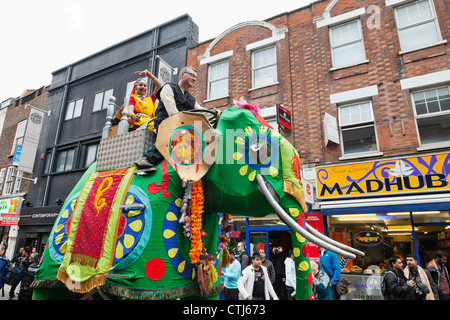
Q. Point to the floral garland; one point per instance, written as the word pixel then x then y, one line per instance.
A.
pixel 196 222
pixel 207 274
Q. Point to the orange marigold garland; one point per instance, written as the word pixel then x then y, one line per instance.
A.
pixel 197 207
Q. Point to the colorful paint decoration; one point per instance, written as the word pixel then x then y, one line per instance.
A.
pixel 131 226
pixel 58 238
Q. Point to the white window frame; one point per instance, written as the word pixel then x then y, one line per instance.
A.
pixel 432 19
pixel 275 63
pixel 211 81
pixel 270 115
pixel 359 40
pixel 17 182
pixel 101 100
pixel 74 109
pixel 2 179
pixel 357 125
pixel 428 115
pixel 9 181
pixel 19 135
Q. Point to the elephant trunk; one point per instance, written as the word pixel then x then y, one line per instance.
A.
pixel 309 233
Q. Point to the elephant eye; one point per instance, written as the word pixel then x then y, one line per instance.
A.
pixel 259 152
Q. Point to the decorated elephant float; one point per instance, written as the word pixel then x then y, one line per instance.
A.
pixel 124 235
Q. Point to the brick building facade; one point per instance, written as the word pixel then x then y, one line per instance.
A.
pixel 15 183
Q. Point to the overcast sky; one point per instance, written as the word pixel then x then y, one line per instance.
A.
pixel 39 37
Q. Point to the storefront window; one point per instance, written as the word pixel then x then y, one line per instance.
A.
pixel 382 235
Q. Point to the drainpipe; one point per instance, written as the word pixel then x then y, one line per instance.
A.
pixel 58 129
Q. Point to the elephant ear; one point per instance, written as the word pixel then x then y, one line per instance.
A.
pixel 188 143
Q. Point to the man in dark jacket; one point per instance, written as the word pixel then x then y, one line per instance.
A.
pixel 397 286
pixel 17 260
pixel 243 258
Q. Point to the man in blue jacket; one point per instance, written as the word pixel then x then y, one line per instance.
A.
pixel 329 263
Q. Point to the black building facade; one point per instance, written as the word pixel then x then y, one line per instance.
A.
pixel 78 98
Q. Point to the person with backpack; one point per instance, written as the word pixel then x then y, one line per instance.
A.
pixel 395 285
pixel 26 292
pixel 4 262
pixel 16 260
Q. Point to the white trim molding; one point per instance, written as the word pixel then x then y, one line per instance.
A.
pixel 266 42
pixel 430 79
pixel 326 20
pixel 277 34
pixel 329 21
pixel 352 95
pixel 217 57
pixel 396 2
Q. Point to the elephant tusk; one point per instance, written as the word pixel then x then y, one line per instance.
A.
pixel 334 242
pixel 293 225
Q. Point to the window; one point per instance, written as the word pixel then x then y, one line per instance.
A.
pixel 129 89
pixel 48 157
pixel 101 100
pixel 417 25
pixel 74 109
pixel 218 80
pixel 357 127
pixel 347 45
pixel 270 115
pixel 264 67
pixel 65 160
pixel 432 111
pixel 9 180
pixel 2 178
pixel 90 155
pixel 18 137
pixel 18 181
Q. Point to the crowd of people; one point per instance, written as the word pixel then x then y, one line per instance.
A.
pixel 256 278
pixel 22 269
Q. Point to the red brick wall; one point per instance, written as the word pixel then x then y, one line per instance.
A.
pixel 306 81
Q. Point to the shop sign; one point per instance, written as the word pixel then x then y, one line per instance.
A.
pixel 368 238
pixel 315 220
pixel 233 234
pixel 396 176
pixel 8 215
pixel 308 188
pixel 284 117
pixel 330 128
pixel 31 140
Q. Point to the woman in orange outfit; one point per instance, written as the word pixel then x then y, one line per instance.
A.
pixel 141 108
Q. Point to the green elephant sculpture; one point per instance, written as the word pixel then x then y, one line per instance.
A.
pixel 161 236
